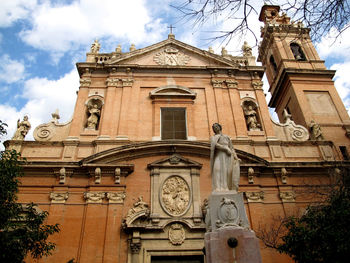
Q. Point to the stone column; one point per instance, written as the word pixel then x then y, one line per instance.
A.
pixel 238 116
pixel 77 125
pixel 106 119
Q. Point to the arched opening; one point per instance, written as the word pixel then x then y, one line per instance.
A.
pixel 297 52
pixel 273 63
pixel 252 116
pixel 93 113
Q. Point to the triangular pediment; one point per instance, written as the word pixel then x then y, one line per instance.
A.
pixel 175 160
pixel 172 53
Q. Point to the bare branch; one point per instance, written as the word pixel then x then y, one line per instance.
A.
pixel 321 16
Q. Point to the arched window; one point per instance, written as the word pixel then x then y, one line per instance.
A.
pixel 297 52
pixel 273 63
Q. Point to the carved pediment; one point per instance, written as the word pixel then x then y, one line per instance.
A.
pixel 175 160
pixel 115 156
pixel 172 91
pixel 171 53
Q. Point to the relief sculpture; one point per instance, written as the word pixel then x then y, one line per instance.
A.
pixel 175 195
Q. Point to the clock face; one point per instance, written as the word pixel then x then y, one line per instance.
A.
pixel 171 57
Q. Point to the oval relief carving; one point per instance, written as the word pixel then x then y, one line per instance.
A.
pixel 175 196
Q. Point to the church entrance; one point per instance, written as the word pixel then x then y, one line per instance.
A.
pixel 177 259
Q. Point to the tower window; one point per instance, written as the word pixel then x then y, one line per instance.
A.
pixel 273 63
pixel 173 126
pixel 297 52
pixel 344 152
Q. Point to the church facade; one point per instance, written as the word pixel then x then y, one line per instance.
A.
pixel 128 177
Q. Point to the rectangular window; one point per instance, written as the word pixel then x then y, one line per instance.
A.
pixel 173 123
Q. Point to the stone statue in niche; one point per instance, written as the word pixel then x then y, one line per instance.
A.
pixel 316 133
pixel 246 49
pixel 22 129
pixel 250 116
pixel 94 118
pixel 224 162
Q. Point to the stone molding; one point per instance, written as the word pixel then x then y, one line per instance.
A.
pixel 287 196
pixel 135 247
pixel 219 83
pixel 175 196
pixel 115 197
pixel 127 82
pixel 257 84
pixel 119 82
pixel 98 171
pixel 172 91
pixel 292 131
pixel 51 131
pixel 98 176
pixel 284 174
pixel 171 56
pixel 94 197
pixel 114 82
pixel 176 234
pixel 251 175
pixel 62 173
pixel 231 83
pixel 139 209
pixel 58 197
pixel 85 82
pixel 255 197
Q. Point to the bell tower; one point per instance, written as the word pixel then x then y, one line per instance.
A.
pixel 299 81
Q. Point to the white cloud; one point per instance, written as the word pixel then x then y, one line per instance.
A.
pixel 44 97
pixel 342 83
pixel 329 46
pixel 11 70
pixel 12 10
pixel 64 27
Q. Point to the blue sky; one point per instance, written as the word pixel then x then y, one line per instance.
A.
pixel 41 40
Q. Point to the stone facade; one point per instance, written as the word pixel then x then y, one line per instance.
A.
pixel 123 194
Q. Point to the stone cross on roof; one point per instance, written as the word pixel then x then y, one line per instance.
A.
pixel 171 35
pixel 171 28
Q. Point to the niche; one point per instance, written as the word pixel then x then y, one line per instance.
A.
pixel 251 115
pixel 297 52
pixel 273 64
pixel 93 113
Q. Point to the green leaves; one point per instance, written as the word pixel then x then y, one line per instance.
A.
pixel 22 228
pixel 322 234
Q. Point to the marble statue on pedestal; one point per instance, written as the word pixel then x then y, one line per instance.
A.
pixel 225 215
pixel 224 162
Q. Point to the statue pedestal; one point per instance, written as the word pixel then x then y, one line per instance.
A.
pixel 226 219
pixel 217 249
